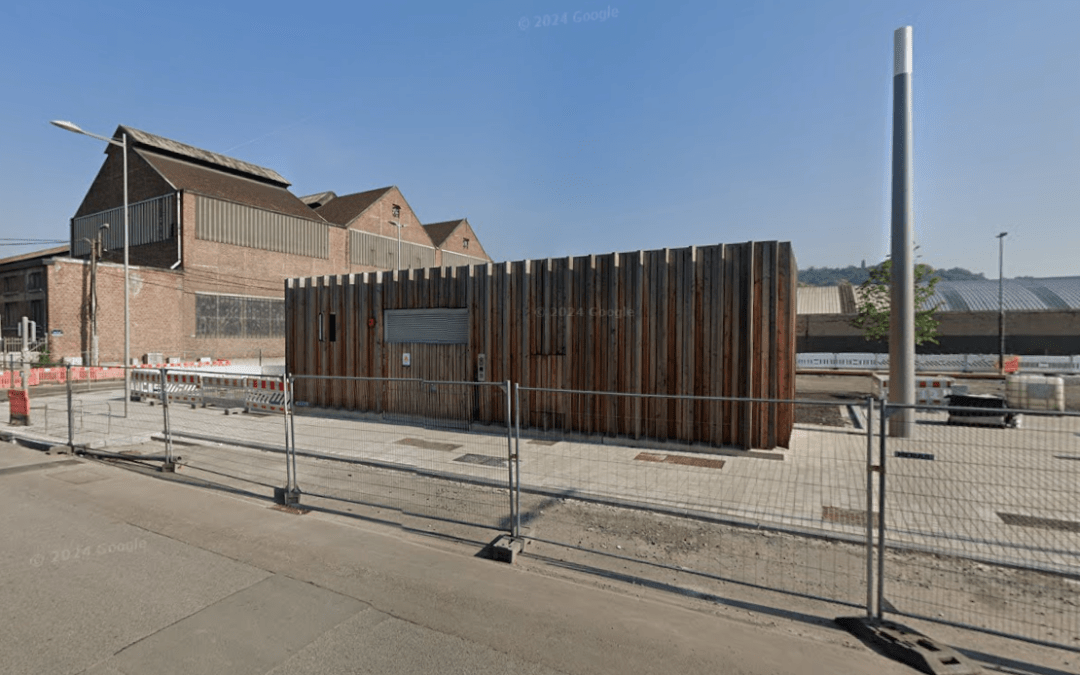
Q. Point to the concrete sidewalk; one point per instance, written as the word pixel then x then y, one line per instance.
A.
pixel 109 571
pixel 950 504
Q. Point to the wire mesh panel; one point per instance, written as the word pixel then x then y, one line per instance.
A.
pixel 414 447
pixel 220 438
pixel 792 520
pixel 982 521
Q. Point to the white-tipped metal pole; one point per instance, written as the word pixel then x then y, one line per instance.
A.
pixel 902 302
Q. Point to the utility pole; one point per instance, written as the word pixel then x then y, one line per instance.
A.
pixel 96 249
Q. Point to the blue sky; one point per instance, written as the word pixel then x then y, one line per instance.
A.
pixel 664 125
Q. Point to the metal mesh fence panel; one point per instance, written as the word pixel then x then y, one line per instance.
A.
pixel 982 521
pixel 222 425
pixel 97 416
pixel 438 450
pixel 790 519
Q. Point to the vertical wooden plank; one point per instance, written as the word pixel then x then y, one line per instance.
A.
pixel 716 342
pixel 568 347
pixel 636 336
pixel 610 361
pixel 688 326
pixel 732 337
pixel 749 254
pixel 652 351
pixel 378 353
pixel 767 433
pixel 700 338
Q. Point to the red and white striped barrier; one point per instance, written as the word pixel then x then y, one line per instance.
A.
pixel 266 395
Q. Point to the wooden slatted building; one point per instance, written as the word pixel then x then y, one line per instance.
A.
pixel 700 321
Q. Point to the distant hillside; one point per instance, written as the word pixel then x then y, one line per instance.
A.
pixel 832 276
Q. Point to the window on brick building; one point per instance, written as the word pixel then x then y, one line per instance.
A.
pixel 11 314
pixel 396 211
pixel 33 281
pixel 233 316
pixel 11 284
pixel 464 243
pixel 37 314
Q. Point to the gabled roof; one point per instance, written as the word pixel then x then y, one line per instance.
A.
pixel 440 231
pixel 317 200
pixel 43 253
pixel 345 209
pixel 214 182
pixel 170 147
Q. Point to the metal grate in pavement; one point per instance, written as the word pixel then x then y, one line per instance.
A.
pixel 835 514
pixel 1041 523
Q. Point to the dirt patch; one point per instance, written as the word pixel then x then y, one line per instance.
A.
pixel 825 415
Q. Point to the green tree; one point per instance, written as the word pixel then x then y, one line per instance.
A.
pixel 873 307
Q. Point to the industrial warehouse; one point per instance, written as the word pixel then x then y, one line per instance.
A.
pixel 211 240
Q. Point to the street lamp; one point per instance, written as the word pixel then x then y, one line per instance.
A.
pixel 122 143
pixel 1001 300
pixel 398 225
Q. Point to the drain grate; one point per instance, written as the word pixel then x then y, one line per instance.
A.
pixel 482 460
pixel 427 445
pixel 1041 523
pixel 700 462
pixel 836 514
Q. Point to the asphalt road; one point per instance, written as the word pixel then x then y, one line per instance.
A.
pixel 108 571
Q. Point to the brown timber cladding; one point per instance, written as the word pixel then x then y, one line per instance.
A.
pixel 701 321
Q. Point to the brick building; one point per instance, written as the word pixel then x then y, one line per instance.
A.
pixel 211 241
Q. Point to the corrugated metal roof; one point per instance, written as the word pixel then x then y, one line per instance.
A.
pixel 216 183
pixel 191 152
pixel 819 300
pixel 1052 293
pixel 43 253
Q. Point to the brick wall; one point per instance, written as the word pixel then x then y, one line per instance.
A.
pixel 456 243
pixel 155 299
pixel 158 254
pixel 378 216
pixel 107 190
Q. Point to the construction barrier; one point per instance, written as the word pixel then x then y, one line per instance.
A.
pixel 252 393
pixel 266 395
pixel 928 391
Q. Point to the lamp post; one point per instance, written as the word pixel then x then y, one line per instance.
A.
pixel 122 143
pixel 398 225
pixel 1001 301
